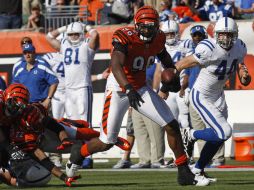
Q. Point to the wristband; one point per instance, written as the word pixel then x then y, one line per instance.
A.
pixel 63 177
pixel 49 97
pixel 128 88
pixel 50 35
pixel 99 77
pixel 62 29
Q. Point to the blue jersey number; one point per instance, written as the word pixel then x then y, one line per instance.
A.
pixel 221 70
pixel 60 69
pixel 68 56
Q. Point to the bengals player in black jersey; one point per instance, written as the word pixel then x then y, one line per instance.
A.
pixel 22 126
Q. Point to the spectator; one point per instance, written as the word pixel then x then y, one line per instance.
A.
pixel 213 10
pixel 245 8
pixel 125 162
pixel 92 7
pixel 2 84
pixel 36 20
pixel 153 3
pixel 165 12
pixel 184 12
pixel 10 14
pixel 36 75
pixel 122 12
pixel 27 7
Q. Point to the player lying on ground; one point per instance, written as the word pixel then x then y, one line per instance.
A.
pixel 22 127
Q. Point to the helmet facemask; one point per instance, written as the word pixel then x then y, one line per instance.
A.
pixel 171 38
pixel 147 30
pixel 226 39
pixel 75 33
pixel 14 107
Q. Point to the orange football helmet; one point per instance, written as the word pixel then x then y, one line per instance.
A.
pixel 146 22
pixel 16 97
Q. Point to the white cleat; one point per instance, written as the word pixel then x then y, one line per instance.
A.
pixel 71 169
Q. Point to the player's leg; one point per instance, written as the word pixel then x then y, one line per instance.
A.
pixel 58 101
pixel 213 112
pixel 156 109
pixel 157 141
pixel 142 140
pixel 115 106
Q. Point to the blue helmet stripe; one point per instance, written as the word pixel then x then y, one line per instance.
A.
pixel 226 22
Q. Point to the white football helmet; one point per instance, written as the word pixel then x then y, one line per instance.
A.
pixel 75 28
pixel 229 26
pixel 170 26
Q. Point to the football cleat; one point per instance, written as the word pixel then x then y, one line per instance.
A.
pixel 199 172
pixel 123 144
pixel 122 164
pixel 186 177
pixel 71 169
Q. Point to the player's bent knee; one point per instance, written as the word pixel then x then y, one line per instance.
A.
pixel 227 133
pixel 172 126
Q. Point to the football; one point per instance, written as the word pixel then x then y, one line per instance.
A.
pixel 167 75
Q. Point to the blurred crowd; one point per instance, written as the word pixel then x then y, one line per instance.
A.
pixel 31 14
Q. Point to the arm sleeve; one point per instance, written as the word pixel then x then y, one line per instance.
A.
pixel 52 125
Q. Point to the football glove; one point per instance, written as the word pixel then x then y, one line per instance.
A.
pixel 133 96
pixel 69 180
pixel 172 86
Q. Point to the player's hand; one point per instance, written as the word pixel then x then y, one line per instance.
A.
pixel 133 96
pixel 65 143
pixel 69 180
pixel 163 95
pixel 172 86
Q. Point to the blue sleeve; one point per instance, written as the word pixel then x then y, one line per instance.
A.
pixel 187 71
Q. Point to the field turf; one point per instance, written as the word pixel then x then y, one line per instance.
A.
pixel 163 179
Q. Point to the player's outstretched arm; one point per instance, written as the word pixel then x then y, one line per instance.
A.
pixel 51 37
pixel 186 62
pixel 44 161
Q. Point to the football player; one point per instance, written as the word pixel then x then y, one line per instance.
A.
pixel 23 124
pixel 218 58
pixel 134 49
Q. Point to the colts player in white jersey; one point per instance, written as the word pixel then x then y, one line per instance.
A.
pixel 177 52
pixel 55 60
pixel 218 58
pixel 78 54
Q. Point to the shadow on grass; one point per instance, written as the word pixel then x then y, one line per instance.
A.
pixel 92 185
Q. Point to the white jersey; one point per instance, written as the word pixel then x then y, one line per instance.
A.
pixel 55 61
pixel 177 51
pixel 216 65
pixel 77 64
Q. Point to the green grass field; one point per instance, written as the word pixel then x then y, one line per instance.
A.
pixel 164 179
